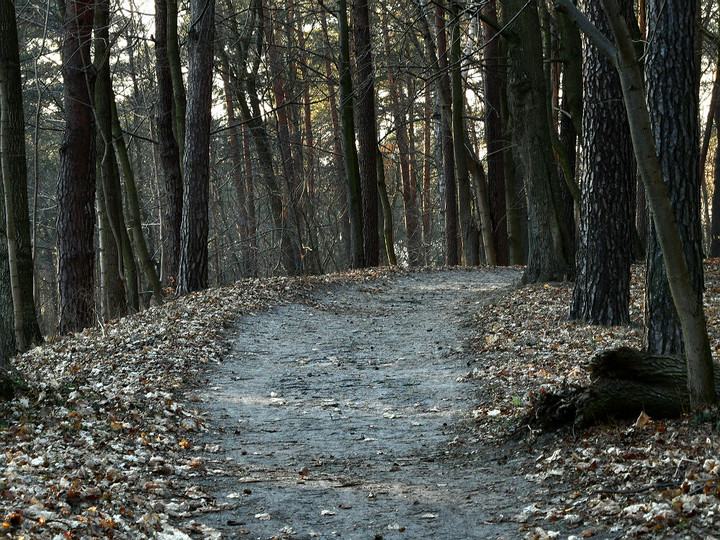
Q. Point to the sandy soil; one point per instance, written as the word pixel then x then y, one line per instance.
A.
pixel 343 417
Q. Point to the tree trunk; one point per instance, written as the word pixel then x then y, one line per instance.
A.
pixel 350 157
pixel 549 243
pixel 468 229
pixel 110 177
pixel 289 163
pixel 193 274
pixel 14 173
pixel 366 131
pixel 673 107
pixel 341 180
pixel 133 204
pixel 179 108
pixel 76 186
pixel 169 152
pixel 493 137
pixel 448 156
pixel 427 178
pixel 386 209
pixel 684 295
pixel 602 286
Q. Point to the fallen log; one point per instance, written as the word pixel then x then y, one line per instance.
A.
pixel 623 383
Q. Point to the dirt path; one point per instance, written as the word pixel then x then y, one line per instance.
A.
pixel 344 418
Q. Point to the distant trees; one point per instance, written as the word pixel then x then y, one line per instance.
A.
pixel 449 132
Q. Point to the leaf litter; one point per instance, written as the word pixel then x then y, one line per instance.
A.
pixel 657 478
pixel 100 443
pixel 101 440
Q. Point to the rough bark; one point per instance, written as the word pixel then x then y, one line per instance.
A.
pixel 493 137
pixel 169 152
pixel 673 106
pixel 366 131
pixel 684 295
pixel 350 157
pixel 193 275
pixel 605 251
pixel 14 173
pixel 76 186
pixel 549 242
pixel 386 212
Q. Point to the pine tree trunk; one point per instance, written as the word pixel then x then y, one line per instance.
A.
pixel 493 137
pixel 350 157
pixel 169 152
pixel 602 287
pixel 366 131
pixel 15 177
pixel 76 186
pixel 673 107
pixel 193 275
pixel 549 243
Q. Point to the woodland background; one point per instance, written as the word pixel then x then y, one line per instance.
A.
pixel 156 149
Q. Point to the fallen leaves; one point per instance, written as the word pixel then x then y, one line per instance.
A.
pixel 630 479
pixel 105 441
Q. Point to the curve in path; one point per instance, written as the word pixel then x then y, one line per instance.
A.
pixel 341 415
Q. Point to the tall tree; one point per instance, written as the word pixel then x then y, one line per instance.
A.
pixel 107 165
pixel 602 286
pixel 169 151
pixel 76 186
pixel 468 229
pixel 193 275
pixel 550 251
pixel 350 157
pixel 493 135
pixel 366 131
pixel 673 105
pixel 14 173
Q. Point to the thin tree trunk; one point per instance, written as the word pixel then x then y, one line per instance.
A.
pixel 133 204
pixel 468 229
pixel 350 157
pixel 193 275
pixel 386 209
pixel 169 152
pixel 178 87
pixel 366 131
pixel 493 136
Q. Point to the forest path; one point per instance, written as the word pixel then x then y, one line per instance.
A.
pixel 343 417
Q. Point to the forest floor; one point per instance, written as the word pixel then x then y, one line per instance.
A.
pixel 377 404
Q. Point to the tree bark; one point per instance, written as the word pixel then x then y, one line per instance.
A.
pixel 673 106
pixel 179 108
pixel 76 186
pixel 350 157
pixel 14 173
pixel 605 251
pixel 493 136
pixel 193 275
pixel 550 253
pixel 366 131
pixel 689 309
pixel 169 152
